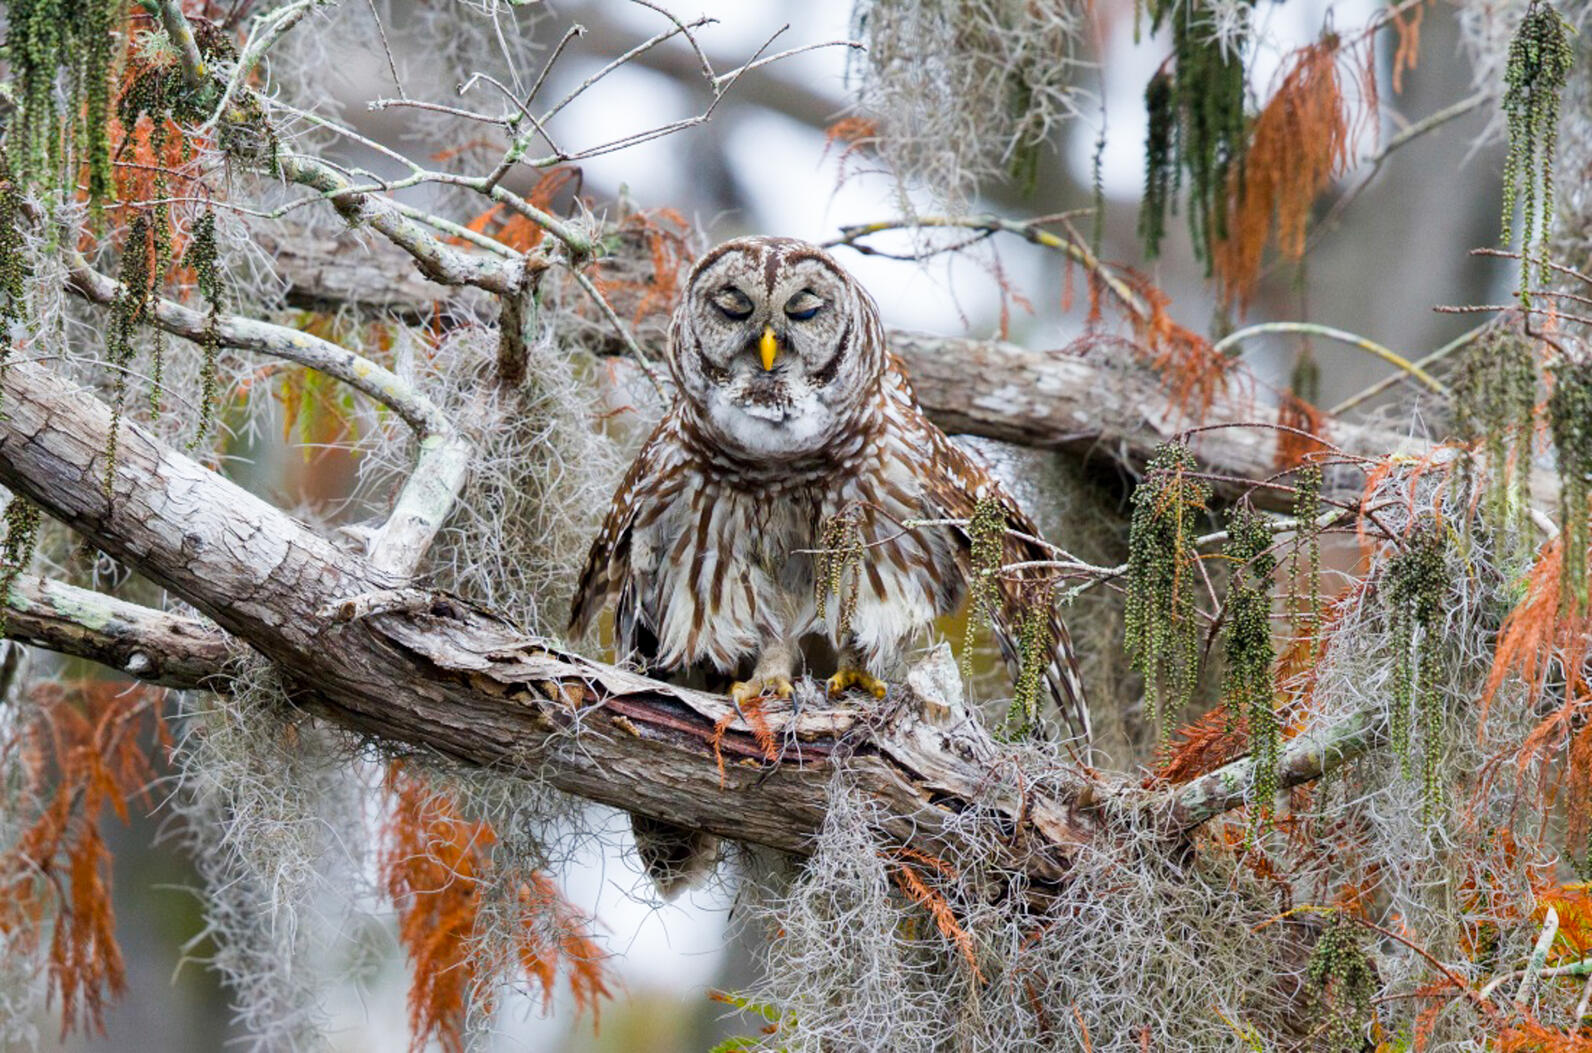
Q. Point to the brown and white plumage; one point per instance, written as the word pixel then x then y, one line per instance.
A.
pixel 790 412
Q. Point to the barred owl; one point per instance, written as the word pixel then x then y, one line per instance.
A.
pixel 790 417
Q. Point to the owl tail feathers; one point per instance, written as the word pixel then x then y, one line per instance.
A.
pixel 675 857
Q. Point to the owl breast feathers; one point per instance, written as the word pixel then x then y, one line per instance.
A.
pixel 795 451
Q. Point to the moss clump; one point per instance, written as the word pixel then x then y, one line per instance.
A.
pixel 1161 623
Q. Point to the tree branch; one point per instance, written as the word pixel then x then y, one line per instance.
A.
pixel 455 680
pixel 149 645
pixel 443 461
pixel 1082 403
pixel 1305 758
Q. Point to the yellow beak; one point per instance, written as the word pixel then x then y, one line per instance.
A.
pixel 768 346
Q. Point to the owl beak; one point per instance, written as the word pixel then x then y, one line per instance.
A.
pixel 768 347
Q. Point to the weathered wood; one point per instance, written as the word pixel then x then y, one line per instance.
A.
pixel 459 681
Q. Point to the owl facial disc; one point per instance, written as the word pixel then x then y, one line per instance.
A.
pixel 775 348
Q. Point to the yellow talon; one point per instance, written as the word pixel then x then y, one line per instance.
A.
pixel 743 691
pixel 846 679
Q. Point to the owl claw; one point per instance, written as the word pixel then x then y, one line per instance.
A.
pixel 743 691
pixel 846 679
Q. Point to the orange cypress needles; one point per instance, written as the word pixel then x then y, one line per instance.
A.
pixel 82 748
pixel 1301 140
pixel 437 868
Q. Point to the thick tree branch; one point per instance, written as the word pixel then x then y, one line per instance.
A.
pixel 458 681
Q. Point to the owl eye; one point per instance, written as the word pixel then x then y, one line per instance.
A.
pixel 733 302
pixel 803 306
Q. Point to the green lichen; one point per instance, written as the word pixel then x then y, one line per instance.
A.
pixel 102 19
pixel 62 55
pixel 1196 125
pixel 1495 399
pixel 37 45
pixel 1161 623
pixel 1304 560
pixel 1036 649
pixel 22 534
pixel 203 258
pixel 136 280
pixel 14 268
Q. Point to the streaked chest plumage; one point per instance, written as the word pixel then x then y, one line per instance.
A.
pixel 724 564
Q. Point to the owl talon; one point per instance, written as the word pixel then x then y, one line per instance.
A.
pixel 743 691
pixel 846 679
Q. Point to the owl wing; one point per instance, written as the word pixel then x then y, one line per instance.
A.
pixel 954 487
pixel 610 564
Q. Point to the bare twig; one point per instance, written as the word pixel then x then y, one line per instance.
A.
pixel 1229 343
pixel 1031 231
pixel 1456 344
pixel 443 458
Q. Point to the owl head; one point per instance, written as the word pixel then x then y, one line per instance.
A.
pixel 775 348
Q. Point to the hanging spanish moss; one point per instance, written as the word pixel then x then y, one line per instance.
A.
pixel 1161 625
pixel 1196 121
pixel 1570 423
pixel 1540 59
pixel 965 93
pixel 1247 685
